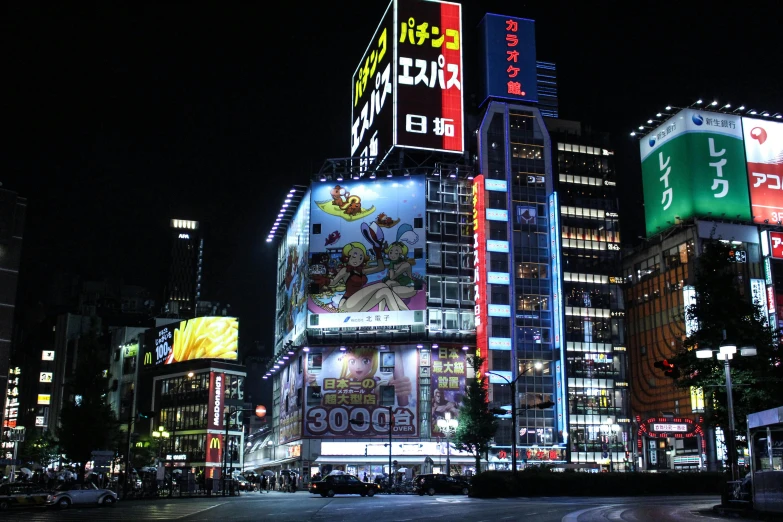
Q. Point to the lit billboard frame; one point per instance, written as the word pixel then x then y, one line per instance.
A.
pixel 508 49
pixel 417 120
pixel 367 262
pixel 295 278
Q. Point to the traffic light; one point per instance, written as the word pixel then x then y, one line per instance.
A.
pixel 669 369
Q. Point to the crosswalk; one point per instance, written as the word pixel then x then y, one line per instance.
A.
pixel 129 511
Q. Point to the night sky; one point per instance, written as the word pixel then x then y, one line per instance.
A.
pixel 120 117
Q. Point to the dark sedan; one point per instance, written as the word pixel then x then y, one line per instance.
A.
pixel 440 483
pixel 343 485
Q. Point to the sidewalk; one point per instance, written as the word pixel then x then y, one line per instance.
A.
pixel 740 514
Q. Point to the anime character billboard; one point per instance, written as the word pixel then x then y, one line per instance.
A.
pixel 367 254
pixel 359 384
pixel 291 379
pixel 295 277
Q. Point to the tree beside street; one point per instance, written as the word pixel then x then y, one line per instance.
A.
pixel 476 424
pixel 87 422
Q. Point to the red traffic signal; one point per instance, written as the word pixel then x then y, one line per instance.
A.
pixel 668 367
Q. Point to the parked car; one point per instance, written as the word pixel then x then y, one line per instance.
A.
pixel 345 484
pixel 440 483
pixel 88 493
pixel 242 484
pixel 21 494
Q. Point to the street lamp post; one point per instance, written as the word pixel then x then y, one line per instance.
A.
pixel 726 353
pixel 357 422
pixel 448 427
pixel 513 385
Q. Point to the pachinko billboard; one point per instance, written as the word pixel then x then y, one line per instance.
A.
pixel 350 390
pixel 367 254
pixel 448 371
pixel 291 378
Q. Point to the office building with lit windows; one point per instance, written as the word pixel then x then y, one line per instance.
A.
pixel 183 288
pixel 600 428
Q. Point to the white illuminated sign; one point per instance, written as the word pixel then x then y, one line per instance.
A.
pixel 758 295
pixel 184 236
pixel 45 377
pixel 47 355
pixel 682 428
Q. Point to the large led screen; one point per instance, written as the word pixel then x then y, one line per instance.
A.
pixel 693 165
pixel 764 152
pixel 291 378
pixel 295 278
pixel 428 100
pixel 367 254
pixel 359 384
pixel 199 338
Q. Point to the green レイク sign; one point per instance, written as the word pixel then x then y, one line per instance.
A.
pixel 694 166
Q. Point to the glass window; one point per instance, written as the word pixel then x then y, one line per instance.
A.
pixel 532 271
pixel 452 290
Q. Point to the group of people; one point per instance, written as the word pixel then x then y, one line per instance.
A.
pixel 287 482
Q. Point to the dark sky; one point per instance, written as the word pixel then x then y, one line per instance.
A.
pixel 121 116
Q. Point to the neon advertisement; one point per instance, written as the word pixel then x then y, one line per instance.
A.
pixel 480 265
pixel 764 154
pixel 367 254
pixel 295 278
pixel 291 378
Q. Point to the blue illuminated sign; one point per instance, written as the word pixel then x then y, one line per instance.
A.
pixel 496 214
pixel 497 310
pixel 496 185
pixel 499 343
pixel 498 278
pixel 508 53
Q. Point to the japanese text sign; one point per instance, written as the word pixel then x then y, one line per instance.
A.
pixel 764 153
pixel 449 369
pixel 349 392
pixel 407 89
pixel 480 265
pixel 693 165
pixel 776 244
pixel 508 54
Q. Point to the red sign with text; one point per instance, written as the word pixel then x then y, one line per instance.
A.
pixel 480 264
pixel 764 152
pixel 776 244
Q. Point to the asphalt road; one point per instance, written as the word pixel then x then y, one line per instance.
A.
pixel 301 506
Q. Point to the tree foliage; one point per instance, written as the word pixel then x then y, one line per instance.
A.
pixel 720 306
pixel 43 449
pixel 477 425
pixel 87 422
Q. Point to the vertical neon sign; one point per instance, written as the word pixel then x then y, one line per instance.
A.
pixel 554 243
pixel 480 266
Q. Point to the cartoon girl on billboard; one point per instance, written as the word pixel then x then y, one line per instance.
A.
pixel 400 277
pixel 359 364
pixel 359 296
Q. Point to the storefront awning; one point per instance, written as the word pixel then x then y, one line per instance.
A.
pixel 274 463
pixel 403 459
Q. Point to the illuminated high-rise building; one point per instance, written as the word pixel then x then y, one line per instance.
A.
pixel 183 288
pixel 12 215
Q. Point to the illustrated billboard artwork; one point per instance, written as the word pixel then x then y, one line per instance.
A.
pixel 693 165
pixel 764 152
pixel 359 384
pixel 291 378
pixel 367 254
pixel 295 278
pixel 449 370
pixel 508 52
pixel 199 338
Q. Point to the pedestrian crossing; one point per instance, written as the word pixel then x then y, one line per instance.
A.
pixel 129 511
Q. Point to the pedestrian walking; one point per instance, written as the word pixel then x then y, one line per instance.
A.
pixel 365 477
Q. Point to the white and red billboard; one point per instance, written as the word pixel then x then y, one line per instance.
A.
pixel 764 153
pixel 776 245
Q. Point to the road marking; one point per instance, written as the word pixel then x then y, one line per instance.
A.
pixel 574 516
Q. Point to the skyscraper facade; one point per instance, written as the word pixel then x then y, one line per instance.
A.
pixel 183 288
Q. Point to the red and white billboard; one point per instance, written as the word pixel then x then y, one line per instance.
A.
pixel 776 244
pixel 764 153
pixel 215 420
pixel 480 265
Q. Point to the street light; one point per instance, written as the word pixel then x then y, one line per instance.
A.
pixel 448 427
pixel 726 353
pixel 537 365
pixel 611 430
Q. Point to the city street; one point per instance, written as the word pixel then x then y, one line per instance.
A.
pixel 302 506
